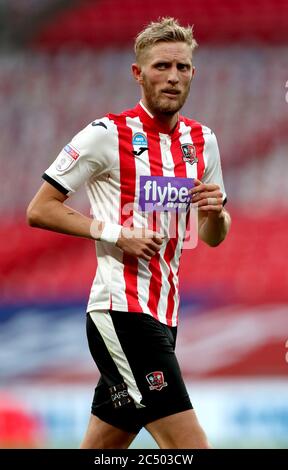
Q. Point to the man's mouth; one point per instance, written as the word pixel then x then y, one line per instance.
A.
pixel 171 92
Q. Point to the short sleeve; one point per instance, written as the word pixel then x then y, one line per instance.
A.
pixel 87 154
pixel 213 170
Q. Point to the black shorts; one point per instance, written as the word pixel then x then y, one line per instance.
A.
pixel 140 376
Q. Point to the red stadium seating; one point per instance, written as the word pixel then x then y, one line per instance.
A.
pixel 114 23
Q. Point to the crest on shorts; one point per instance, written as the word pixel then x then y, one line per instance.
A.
pixel 189 153
pixel 156 380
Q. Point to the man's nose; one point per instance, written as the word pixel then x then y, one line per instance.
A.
pixel 173 76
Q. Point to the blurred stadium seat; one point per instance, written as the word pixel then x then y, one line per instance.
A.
pixel 108 22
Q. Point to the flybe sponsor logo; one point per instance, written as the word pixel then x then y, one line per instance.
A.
pixel 164 193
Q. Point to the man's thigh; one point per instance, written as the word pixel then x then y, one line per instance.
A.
pixel 101 435
pixel 179 431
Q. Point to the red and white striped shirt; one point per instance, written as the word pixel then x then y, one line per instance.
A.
pixel 123 160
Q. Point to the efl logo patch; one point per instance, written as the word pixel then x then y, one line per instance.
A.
pixel 156 380
pixel 165 193
pixel 67 158
pixel 189 153
pixel 72 151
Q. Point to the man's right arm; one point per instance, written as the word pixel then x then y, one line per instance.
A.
pixel 48 211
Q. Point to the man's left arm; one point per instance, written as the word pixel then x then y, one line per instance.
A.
pixel 209 195
pixel 213 220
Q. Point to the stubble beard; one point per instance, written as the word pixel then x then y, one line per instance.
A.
pixel 161 104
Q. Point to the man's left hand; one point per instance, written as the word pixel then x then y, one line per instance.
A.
pixel 207 197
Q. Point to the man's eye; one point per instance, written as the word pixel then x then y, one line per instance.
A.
pixel 183 67
pixel 161 66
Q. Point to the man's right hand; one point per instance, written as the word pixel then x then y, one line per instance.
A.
pixel 140 242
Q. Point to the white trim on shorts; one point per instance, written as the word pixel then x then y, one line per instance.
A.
pixel 104 323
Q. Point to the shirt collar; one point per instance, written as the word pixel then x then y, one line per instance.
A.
pixel 145 109
pixel 149 120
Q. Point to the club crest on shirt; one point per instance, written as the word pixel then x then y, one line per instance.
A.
pixel 67 158
pixel 156 380
pixel 189 153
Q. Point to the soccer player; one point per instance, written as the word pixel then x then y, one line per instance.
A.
pixel 140 168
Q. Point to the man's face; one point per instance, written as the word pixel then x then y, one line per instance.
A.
pixel 165 75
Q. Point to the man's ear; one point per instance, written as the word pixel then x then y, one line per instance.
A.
pixel 137 73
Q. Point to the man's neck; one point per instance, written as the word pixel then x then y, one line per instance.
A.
pixel 167 120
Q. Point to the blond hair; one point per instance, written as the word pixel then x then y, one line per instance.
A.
pixel 166 29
